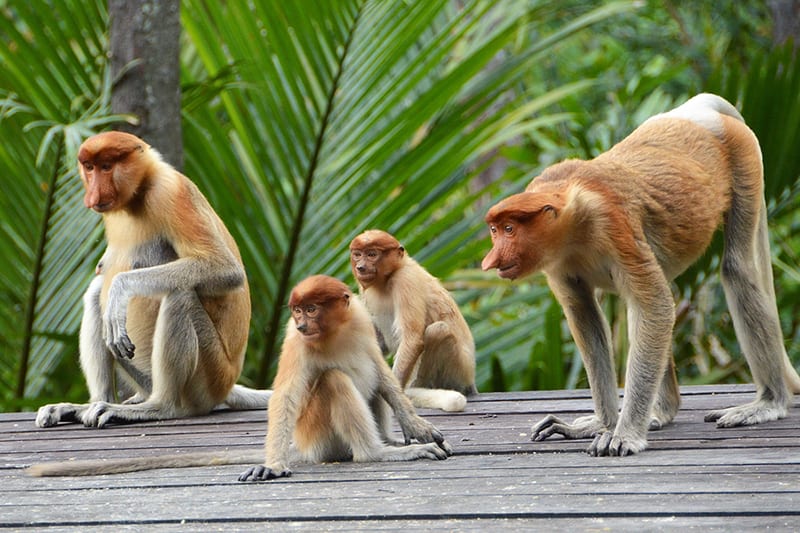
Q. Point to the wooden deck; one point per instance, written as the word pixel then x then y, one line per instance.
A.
pixel 694 476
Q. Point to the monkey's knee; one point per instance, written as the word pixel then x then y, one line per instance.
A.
pixel 438 333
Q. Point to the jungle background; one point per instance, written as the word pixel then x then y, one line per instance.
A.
pixel 306 122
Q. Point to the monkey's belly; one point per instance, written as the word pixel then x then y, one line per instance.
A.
pixel 141 324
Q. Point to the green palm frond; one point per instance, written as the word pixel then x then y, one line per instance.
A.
pixel 357 115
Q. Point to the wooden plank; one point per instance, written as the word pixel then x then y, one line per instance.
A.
pixel 694 475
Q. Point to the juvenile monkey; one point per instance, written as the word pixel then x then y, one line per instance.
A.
pixel 331 400
pixel 169 306
pixel 418 320
pixel 630 221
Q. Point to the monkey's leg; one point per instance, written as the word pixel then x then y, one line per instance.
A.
pixel 353 422
pixel 178 389
pixel 749 290
pixel 668 400
pixel 592 336
pixel 96 360
pixel 442 364
pixel 439 375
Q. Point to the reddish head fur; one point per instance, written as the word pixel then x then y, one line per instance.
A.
pixel 112 170
pixel 374 256
pixel 320 307
pixel 524 228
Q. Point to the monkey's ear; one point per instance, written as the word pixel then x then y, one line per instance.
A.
pixel 402 250
pixel 550 209
pixel 347 299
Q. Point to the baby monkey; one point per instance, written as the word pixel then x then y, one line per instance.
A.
pixel 434 353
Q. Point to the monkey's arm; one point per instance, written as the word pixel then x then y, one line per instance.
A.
pixel 290 387
pixel 592 336
pixel 409 312
pixel 205 276
pixel 651 317
pixel 412 425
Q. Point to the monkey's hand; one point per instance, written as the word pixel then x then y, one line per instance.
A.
pixel 617 444
pixel 424 432
pixel 115 318
pixel 583 427
pixel 264 473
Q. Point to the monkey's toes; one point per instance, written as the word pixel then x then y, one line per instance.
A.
pixel 263 473
pixel 47 417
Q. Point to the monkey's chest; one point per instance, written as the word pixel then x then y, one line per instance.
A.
pixel 383 317
pixel 154 252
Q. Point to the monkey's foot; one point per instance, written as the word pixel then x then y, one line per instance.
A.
pixel 612 443
pixel 135 399
pixel 264 473
pixel 659 421
pixel 581 428
pixel 430 450
pixel 51 414
pixel 748 414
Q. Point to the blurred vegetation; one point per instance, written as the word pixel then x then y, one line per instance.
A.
pixel 306 122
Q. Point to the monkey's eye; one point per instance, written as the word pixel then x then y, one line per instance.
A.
pixel 508 228
pixel 493 229
pixel 105 167
pixel 297 311
pixel 88 166
pixel 356 254
pixel 312 310
pixel 373 254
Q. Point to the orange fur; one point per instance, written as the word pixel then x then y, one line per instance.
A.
pixel 629 221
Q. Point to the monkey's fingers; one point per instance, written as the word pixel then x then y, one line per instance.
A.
pixel 547 426
pixel 609 443
pixel 445 446
pixel 263 473
pixel 122 347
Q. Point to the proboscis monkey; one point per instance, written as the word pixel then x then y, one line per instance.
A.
pixel 630 221
pixel 169 307
pixel 418 320
pixel 331 402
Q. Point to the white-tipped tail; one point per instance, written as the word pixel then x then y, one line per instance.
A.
pixel 446 400
pixel 242 398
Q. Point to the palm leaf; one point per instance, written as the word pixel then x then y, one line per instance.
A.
pixel 361 114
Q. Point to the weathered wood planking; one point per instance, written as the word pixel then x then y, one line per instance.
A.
pixel 693 476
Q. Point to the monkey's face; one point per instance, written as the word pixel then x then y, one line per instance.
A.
pixel 374 256
pixel 309 319
pixel 319 306
pixel 520 227
pixel 108 168
pixel 372 265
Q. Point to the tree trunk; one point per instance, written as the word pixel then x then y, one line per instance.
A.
pixel 145 63
pixel 786 15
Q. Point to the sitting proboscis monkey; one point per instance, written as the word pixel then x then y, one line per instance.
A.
pixel 169 309
pixel 434 353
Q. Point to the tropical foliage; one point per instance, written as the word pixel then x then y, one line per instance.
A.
pixel 306 122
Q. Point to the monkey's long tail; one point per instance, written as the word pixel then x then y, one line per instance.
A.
pixel 95 467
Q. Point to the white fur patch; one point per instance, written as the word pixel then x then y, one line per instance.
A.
pixel 704 110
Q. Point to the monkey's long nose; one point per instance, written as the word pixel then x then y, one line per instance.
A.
pixel 302 327
pixel 490 261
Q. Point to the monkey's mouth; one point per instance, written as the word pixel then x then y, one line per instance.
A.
pixel 365 276
pixel 508 271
